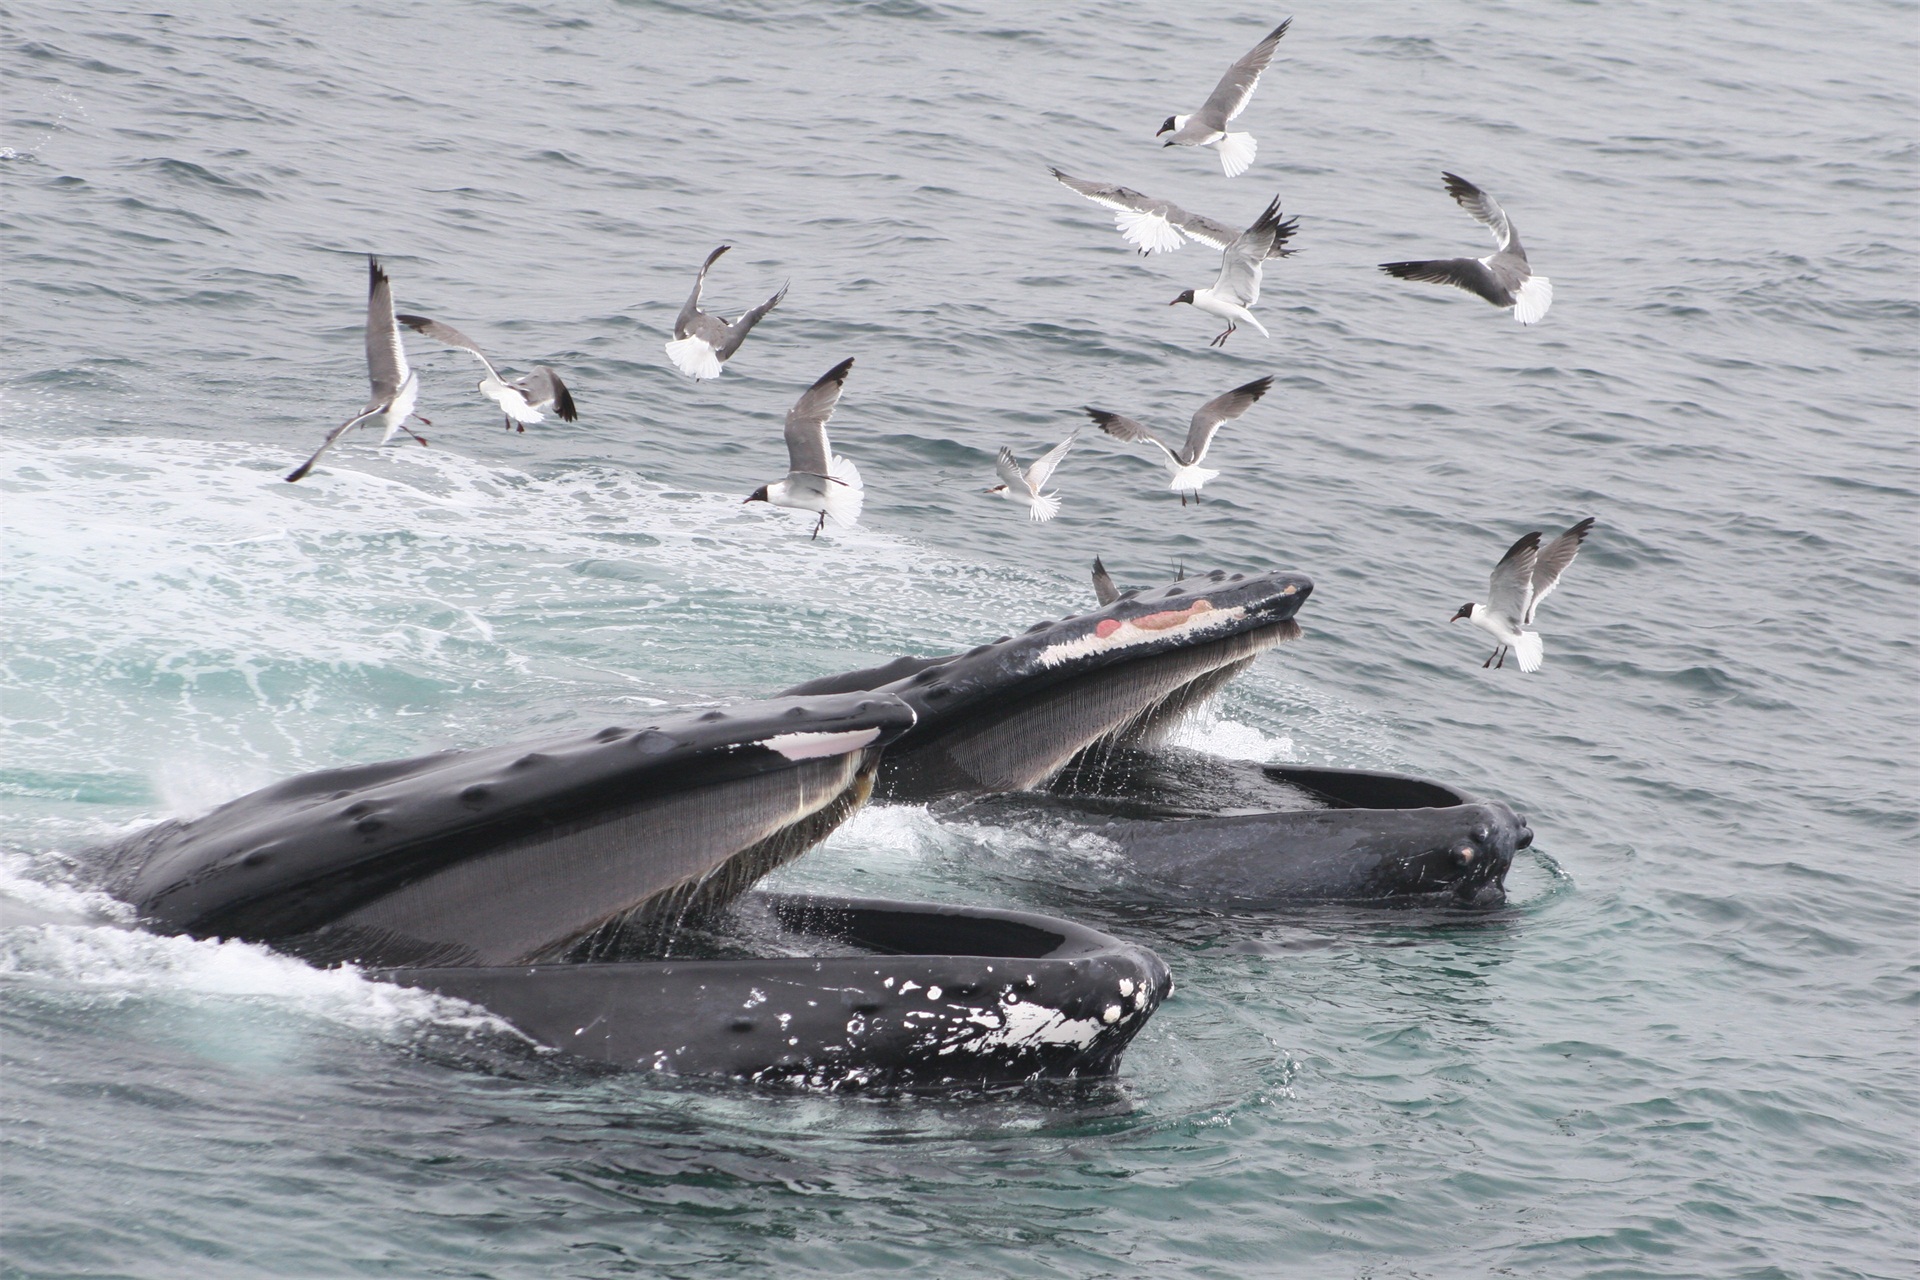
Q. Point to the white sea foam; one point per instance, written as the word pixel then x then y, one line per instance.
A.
pixel 104 962
pixel 1206 729
pixel 179 612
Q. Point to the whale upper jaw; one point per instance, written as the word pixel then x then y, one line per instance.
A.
pixel 516 853
pixel 1006 716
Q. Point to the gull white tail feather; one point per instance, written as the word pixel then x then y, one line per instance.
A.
pixel 1190 479
pixel 1147 232
pixel 844 499
pixel 1527 648
pixel 1236 153
pixel 694 357
pixel 1045 507
pixel 1531 301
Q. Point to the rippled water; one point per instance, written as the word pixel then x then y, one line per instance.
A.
pixel 1686 1048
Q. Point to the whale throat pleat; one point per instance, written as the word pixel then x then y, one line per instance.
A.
pixel 543 894
pixel 1020 747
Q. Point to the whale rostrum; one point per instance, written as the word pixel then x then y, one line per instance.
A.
pixel 1009 715
pixel 581 845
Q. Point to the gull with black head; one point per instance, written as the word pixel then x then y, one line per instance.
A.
pixel 1188 476
pixel 395 386
pixel 702 342
pixel 1504 277
pixel 523 400
pixel 1237 288
pixel 817 480
pixel 1207 127
pixel 1525 576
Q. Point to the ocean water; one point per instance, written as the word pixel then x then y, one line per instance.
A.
pixel 1687 1047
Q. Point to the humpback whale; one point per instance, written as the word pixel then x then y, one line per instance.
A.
pixel 515 854
pixel 1070 708
pixel 566 884
pixel 550 881
pixel 1009 715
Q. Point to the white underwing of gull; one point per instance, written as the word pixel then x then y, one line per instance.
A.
pixel 1207 127
pixel 1237 287
pixel 1525 576
pixel 701 342
pixel 817 480
pixel 1188 476
pixel 522 400
pixel 395 386
pixel 1156 226
pixel 1503 277
pixel 1025 489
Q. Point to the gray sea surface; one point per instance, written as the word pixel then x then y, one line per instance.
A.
pixel 1686 1048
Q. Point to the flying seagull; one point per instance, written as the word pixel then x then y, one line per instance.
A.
pixel 1025 489
pixel 1103 589
pixel 1237 288
pixel 395 387
pixel 1155 226
pixel 1207 127
pixel 700 341
pixel 1525 576
pixel 523 400
pixel 817 478
pixel 1502 277
pixel 1184 466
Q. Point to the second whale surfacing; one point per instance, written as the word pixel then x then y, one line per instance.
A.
pixel 1068 715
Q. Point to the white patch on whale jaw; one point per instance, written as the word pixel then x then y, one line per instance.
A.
pixel 811 746
pixel 1112 634
pixel 1014 1026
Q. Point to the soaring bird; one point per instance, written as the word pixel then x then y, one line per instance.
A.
pixel 1237 288
pixel 700 341
pixel 1207 127
pixel 395 387
pixel 817 478
pixel 1155 226
pixel 1502 277
pixel 524 399
pixel 1026 489
pixel 1525 576
pixel 1188 475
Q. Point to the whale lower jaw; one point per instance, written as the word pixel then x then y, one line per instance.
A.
pixel 1020 740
